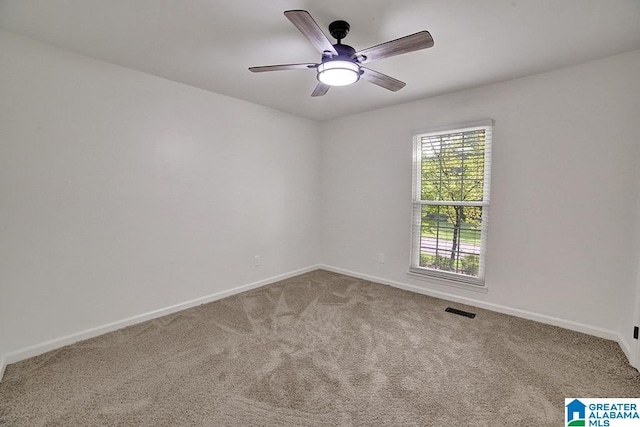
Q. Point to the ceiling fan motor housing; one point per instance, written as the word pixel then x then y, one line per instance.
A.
pixel 345 53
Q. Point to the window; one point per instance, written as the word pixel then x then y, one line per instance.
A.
pixel 451 202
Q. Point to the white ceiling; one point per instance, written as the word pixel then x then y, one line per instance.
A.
pixel 210 43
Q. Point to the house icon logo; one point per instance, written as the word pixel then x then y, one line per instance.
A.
pixel 576 413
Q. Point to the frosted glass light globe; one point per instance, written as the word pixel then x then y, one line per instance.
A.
pixel 338 73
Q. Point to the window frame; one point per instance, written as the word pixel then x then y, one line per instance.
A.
pixel 415 270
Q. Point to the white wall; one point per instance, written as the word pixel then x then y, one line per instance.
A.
pixel 564 185
pixel 122 193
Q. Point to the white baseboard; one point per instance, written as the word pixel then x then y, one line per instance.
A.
pixel 628 350
pixel 3 365
pixel 542 318
pixel 625 346
pixel 53 344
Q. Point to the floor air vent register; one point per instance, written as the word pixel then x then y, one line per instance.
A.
pixel 460 312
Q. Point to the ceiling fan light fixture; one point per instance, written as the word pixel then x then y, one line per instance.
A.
pixel 341 64
pixel 338 73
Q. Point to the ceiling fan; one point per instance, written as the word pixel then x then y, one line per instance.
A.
pixel 341 64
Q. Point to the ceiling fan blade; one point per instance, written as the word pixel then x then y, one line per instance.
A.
pixel 281 67
pixel 320 89
pixel 413 42
pixel 382 80
pixel 307 26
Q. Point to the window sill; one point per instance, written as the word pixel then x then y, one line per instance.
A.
pixel 446 281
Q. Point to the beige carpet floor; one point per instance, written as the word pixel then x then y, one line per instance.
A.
pixel 318 349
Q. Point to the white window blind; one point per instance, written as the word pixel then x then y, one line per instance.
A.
pixel 451 183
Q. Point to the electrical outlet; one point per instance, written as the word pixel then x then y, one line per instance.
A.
pixel 381 258
pixel 256 260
